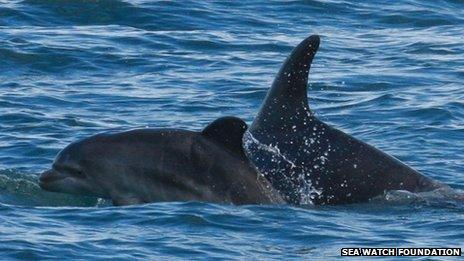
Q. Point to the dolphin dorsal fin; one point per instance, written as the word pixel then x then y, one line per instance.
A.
pixel 227 131
pixel 288 94
pixel 292 79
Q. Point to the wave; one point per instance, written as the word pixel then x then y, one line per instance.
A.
pixel 22 189
pixel 439 198
pixel 18 188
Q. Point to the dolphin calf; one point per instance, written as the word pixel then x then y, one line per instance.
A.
pixel 310 162
pixel 152 165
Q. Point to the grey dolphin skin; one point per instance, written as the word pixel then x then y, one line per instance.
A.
pixel 310 162
pixel 150 165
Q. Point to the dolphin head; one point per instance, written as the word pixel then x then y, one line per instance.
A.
pixel 70 174
pixel 131 167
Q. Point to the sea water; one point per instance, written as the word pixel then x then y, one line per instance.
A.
pixel 390 73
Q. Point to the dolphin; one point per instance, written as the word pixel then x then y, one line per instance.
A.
pixel 153 165
pixel 310 162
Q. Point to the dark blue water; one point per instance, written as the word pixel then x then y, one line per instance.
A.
pixel 388 72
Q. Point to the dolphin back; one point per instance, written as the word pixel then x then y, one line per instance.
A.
pixel 310 162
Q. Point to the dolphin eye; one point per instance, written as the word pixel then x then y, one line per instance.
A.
pixel 76 172
pixel 79 173
pixel 69 170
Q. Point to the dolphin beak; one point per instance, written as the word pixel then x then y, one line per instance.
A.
pixel 48 177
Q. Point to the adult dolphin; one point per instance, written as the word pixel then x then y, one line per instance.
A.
pixel 309 161
pixel 151 165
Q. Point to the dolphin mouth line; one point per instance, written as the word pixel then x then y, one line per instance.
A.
pixel 49 177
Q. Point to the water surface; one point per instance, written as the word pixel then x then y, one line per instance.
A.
pixel 390 74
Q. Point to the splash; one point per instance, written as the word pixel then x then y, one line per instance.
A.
pixel 441 197
pixel 249 141
pixel 283 168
